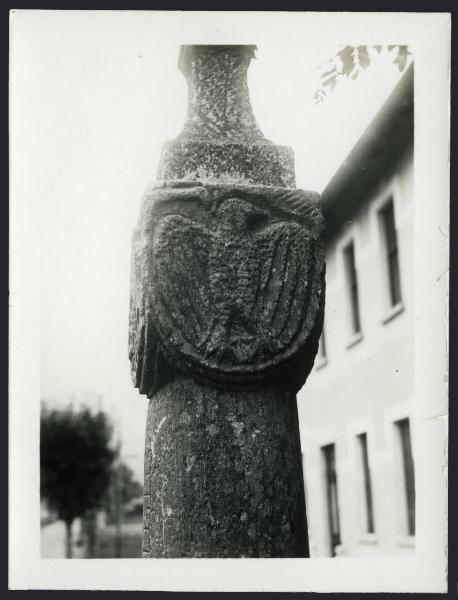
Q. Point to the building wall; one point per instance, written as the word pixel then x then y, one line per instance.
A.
pixel 364 384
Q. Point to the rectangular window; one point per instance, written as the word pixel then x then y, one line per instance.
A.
pixel 352 283
pixel 390 240
pixel 306 498
pixel 403 427
pixel 322 345
pixel 329 458
pixel 362 440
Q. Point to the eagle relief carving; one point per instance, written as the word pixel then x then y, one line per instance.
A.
pixel 227 285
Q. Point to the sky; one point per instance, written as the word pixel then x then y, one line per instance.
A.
pixel 94 98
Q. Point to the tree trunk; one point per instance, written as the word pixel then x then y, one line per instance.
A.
pixel 119 510
pixel 68 539
pixel 91 533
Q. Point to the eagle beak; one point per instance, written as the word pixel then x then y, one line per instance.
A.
pixel 256 215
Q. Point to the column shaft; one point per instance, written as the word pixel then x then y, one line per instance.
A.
pixel 223 474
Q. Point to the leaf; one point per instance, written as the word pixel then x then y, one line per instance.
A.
pixel 347 57
pixel 350 61
pixel 331 72
pixel 319 96
pixel 331 81
pixel 363 57
pixel 401 58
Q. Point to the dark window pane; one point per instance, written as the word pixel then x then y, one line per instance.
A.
pixel 392 254
pixel 409 473
pixel 332 497
pixel 367 483
pixel 322 346
pixel 352 283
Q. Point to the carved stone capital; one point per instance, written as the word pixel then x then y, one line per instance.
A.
pixel 227 285
pixel 221 138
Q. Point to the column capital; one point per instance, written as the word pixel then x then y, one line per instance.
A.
pixel 221 140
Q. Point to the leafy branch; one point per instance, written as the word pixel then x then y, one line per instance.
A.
pixel 350 61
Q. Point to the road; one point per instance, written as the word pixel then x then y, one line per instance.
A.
pixel 53 540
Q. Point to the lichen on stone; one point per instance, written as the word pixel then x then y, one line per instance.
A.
pixel 226 310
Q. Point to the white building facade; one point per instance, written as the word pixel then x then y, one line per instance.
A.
pixel 356 410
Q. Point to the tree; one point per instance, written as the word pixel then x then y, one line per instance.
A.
pixel 75 462
pixel 350 61
pixel 130 489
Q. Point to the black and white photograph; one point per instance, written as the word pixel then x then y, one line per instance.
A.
pixel 229 240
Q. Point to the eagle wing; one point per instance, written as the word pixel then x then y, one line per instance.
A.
pixel 180 285
pixel 138 354
pixel 286 282
pixel 292 271
pixel 168 300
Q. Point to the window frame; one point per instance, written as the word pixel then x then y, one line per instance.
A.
pixel 333 541
pixel 352 285
pixel 407 469
pixel 391 192
pixel 393 285
pixel 322 354
pixel 367 483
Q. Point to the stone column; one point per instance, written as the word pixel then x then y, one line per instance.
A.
pixel 227 303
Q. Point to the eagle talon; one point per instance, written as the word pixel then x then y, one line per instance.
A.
pixel 217 343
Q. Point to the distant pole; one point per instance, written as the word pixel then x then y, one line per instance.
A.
pixel 118 502
pixel 227 304
pixel 68 539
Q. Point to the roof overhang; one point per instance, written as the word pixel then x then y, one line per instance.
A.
pixel 374 155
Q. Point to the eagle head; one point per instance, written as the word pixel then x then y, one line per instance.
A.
pixel 236 213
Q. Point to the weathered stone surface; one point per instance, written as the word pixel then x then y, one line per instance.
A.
pixel 227 301
pixel 259 164
pixel 227 285
pixel 223 475
pixel 219 104
pixel 221 140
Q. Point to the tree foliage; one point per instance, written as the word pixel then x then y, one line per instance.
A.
pixel 75 460
pixel 350 61
pixel 130 489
